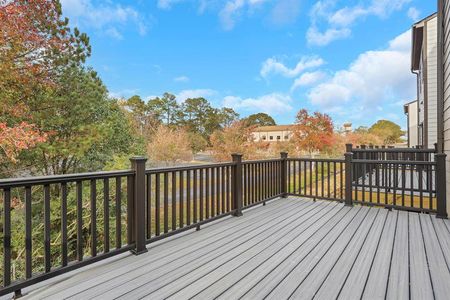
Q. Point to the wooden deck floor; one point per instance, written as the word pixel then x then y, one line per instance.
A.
pixel 290 248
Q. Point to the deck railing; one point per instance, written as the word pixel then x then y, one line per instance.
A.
pixel 102 214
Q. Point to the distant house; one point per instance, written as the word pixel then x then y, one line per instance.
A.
pixel 347 127
pixel 424 64
pixel 276 133
pixel 411 110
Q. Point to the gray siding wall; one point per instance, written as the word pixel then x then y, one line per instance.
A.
pixel 432 73
pixel 446 60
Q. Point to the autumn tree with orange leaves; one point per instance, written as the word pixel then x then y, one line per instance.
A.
pixel 313 132
pixel 35 45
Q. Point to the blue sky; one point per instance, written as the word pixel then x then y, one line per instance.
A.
pixel 350 59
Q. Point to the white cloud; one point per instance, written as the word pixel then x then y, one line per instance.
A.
pixel 315 37
pixel 338 22
pixel 413 14
pixel 230 12
pixel 375 78
pixel 285 11
pixel 181 79
pixel 196 93
pixel 274 103
pixel 273 66
pixel 104 17
pixel 167 4
pixel 307 79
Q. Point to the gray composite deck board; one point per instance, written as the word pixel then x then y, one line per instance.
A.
pixel 398 285
pixel 291 248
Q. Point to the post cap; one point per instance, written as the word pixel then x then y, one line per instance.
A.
pixel 283 154
pixel 138 158
pixel 236 156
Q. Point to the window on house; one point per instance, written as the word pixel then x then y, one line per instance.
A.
pixel 271 137
pixel 286 137
pixel 278 137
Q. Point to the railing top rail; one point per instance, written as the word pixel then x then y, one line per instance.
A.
pixel 317 159
pixel 246 162
pixel 44 180
pixel 394 150
pixel 397 162
pixel 186 168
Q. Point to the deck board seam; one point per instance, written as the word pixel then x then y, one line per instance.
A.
pixel 281 215
pixel 440 245
pixel 255 255
pixel 374 255
pixel 280 207
pixel 318 242
pixel 354 260
pixel 334 242
pixel 257 266
pixel 426 257
pixel 392 255
pixel 359 210
pixel 243 242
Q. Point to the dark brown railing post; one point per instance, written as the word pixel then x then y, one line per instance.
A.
pixel 236 184
pixel 440 176
pixel 348 176
pixel 138 221
pixel 283 177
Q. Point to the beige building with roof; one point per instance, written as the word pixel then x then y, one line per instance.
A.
pixel 276 133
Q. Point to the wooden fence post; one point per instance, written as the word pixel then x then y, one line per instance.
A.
pixel 348 176
pixel 138 221
pixel 440 178
pixel 283 177
pixel 236 184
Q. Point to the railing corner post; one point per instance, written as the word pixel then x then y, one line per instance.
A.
pixel 283 177
pixel 138 222
pixel 236 184
pixel 348 178
pixel 441 194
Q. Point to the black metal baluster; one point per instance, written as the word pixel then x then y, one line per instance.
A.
pixel 245 186
pixel 292 165
pixel 195 197
pixel 188 197
pixel 166 202
pixel 118 214
pixel 213 193
pixel 322 179
pixel 93 199
pixel 181 198
pixel 207 194
pixel 201 194
pixel 421 185
pixel 149 206
pixel 174 200
pixel 223 169
pixel 157 204
pixel 47 238
pixel 106 215
pixel 334 183
pixel 28 239
pixel 403 183
pixel 6 237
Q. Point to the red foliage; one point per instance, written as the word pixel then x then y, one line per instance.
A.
pixel 313 132
pixel 35 42
pixel 18 138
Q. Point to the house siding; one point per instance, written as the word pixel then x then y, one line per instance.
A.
pixel 431 77
pixel 446 86
pixel 413 139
